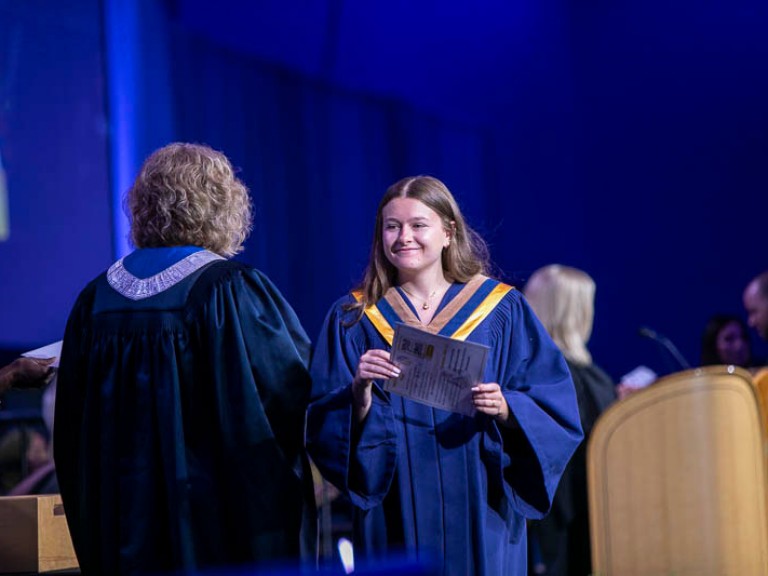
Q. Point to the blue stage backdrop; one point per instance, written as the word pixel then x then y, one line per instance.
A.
pixel 53 142
pixel 628 139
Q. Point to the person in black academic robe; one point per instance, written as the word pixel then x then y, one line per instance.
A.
pixel 451 491
pixel 563 299
pixel 182 389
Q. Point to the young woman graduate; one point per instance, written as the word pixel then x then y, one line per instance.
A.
pixel 450 490
pixel 182 389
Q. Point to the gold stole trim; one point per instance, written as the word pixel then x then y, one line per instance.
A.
pixel 401 308
pixel 439 322
pixel 377 319
pixel 481 312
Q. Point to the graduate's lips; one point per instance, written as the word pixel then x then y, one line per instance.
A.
pixel 406 249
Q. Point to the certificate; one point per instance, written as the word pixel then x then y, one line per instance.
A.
pixel 436 370
pixel 49 351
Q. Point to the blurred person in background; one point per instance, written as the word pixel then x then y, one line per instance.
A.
pixel 726 341
pixel 755 300
pixel 563 299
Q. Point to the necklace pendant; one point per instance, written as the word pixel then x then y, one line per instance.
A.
pixel 425 306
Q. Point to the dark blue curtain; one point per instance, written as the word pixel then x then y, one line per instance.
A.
pixel 625 142
pixel 317 159
pixel 53 150
pixel 625 138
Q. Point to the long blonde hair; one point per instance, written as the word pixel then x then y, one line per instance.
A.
pixel 563 298
pixel 465 256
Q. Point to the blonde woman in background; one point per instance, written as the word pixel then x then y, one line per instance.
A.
pixel 563 298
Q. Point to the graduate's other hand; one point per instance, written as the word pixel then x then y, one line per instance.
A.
pixel 373 365
pixel 488 399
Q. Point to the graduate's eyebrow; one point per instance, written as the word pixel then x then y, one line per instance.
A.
pixel 414 219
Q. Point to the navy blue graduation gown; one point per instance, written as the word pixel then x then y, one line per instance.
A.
pixel 437 486
pixel 179 425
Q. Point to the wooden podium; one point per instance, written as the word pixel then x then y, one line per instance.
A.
pixel 34 536
pixel 677 479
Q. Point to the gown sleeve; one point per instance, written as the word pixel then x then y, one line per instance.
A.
pixel 258 354
pixel 358 460
pixel 537 385
pixel 256 332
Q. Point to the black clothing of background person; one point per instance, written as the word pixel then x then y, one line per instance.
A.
pixel 564 533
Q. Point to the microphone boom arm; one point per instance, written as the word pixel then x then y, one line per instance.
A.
pixel 667 344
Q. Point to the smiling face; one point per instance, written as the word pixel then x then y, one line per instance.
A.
pixel 413 237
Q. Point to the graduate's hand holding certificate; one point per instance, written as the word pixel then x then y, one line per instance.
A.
pixel 436 370
pixel 374 365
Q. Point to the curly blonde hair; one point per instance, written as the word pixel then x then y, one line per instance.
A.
pixel 188 194
pixel 466 255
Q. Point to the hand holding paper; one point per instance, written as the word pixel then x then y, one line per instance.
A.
pixel 374 365
pixel 34 369
pixel 489 400
pixel 26 373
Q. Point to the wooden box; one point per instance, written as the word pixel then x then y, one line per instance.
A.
pixel 34 536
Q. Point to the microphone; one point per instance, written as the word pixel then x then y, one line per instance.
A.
pixel 666 343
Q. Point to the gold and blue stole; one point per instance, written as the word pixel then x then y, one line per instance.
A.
pixel 476 300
